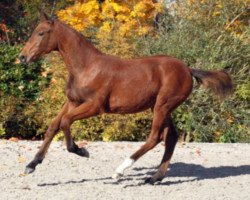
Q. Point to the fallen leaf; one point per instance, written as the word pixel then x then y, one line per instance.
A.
pixel 198 151
pixel 13 139
pixel 82 143
pixel 21 159
pixel 22 174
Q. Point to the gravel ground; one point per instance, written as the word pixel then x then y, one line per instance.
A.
pixel 198 171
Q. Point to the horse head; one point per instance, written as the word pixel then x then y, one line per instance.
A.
pixel 42 41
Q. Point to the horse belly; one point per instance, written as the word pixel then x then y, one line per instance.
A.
pixel 131 101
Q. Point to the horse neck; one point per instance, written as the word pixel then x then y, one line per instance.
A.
pixel 76 51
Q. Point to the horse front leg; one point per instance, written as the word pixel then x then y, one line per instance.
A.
pixel 49 135
pixel 85 110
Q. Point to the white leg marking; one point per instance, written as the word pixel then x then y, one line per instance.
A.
pixel 121 168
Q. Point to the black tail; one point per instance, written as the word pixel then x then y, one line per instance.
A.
pixel 218 81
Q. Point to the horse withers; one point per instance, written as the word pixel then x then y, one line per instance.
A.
pixel 99 83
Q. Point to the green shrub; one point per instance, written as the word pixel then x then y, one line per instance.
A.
pixel 134 127
pixel 19 87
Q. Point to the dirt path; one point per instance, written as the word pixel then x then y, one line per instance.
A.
pixel 198 171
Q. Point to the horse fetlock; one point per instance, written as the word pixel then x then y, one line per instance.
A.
pixel 157 177
pixel 121 168
pixel 126 164
pixel 117 176
pixel 79 151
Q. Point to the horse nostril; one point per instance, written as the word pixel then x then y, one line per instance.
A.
pixel 22 58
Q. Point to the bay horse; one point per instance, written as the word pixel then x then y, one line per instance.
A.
pixel 99 83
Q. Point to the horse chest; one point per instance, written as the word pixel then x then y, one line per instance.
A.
pixel 78 93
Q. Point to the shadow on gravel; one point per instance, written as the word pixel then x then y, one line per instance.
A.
pixel 73 182
pixel 191 172
pixel 61 183
pixel 196 172
pixel 184 170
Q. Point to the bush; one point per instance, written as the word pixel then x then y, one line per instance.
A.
pixel 19 87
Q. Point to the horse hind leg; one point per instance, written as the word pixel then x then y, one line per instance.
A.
pixel 154 138
pixel 170 140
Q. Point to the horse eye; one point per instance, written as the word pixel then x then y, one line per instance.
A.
pixel 41 33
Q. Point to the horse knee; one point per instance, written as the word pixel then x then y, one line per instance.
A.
pixel 51 130
pixel 65 123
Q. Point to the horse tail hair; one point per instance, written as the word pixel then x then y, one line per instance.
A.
pixel 218 81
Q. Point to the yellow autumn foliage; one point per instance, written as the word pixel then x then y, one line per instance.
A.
pixel 126 18
pixel 210 10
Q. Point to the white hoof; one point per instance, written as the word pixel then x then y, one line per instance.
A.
pixel 117 176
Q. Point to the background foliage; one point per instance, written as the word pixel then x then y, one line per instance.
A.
pixel 206 34
pixel 19 87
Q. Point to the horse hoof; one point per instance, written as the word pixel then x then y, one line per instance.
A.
pixel 29 170
pixel 149 181
pixel 117 176
pixel 83 152
pixel 152 180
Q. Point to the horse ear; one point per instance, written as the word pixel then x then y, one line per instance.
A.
pixel 43 16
